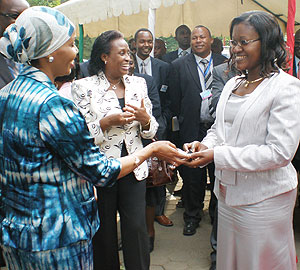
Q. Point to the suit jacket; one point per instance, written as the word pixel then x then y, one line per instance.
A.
pixel 5 74
pixel 220 77
pixel 185 91
pixel 170 57
pixel 160 73
pixel 152 94
pixel 156 107
pixel 95 102
pixel 84 69
pixel 253 159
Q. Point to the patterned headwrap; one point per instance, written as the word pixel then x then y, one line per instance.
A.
pixel 36 33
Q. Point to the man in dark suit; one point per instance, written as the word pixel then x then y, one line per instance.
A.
pixel 190 85
pixel 159 70
pixel 9 11
pixel 183 38
pixel 156 68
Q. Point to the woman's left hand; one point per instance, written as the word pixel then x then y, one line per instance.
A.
pixel 200 158
pixel 140 113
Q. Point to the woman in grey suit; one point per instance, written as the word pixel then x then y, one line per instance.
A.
pixel 252 143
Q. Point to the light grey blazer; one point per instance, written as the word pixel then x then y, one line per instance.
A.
pixel 255 161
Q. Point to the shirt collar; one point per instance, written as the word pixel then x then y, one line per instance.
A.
pixel 139 60
pixel 198 58
pixel 187 50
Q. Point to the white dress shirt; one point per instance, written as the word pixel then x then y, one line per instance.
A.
pixel 147 62
pixel 204 114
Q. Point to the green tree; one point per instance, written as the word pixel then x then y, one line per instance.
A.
pixel 49 3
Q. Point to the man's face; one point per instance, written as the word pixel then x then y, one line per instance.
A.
pixel 159 48
pixel 183 37
pixel 9 11
pixel 201 42
pixel 144 44
pixel 297 44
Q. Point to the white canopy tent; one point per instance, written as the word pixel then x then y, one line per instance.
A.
pixel 163 16
pixel 88 11
pixel 158 14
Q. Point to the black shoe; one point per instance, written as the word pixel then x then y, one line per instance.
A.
pixel 151 243
pixel 213 266
pixel 180 204
pixel 190 228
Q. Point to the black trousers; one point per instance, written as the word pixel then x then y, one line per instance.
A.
pixel 194 185
pixel 127 197
pixel 214 236
pixel 195 180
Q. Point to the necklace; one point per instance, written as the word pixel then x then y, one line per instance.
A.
pixel 114 86
pixel 254 81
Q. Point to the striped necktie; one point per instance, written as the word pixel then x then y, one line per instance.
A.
pixel 183 53
pixel 143 69
pixel 208 76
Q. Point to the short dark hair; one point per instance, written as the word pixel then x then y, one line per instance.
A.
pixel 273 52
pixel 102 45
pixel 202 26
pixel 181 27
pixel 142 30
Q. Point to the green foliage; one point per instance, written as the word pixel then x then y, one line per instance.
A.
pixel 49 3
pixel 170 42
pixel 87 46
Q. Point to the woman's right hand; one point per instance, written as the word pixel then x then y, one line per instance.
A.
pixel 194 146
pixel 116 119
pixel 167 151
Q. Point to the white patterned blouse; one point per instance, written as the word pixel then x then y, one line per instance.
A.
pixel 96 101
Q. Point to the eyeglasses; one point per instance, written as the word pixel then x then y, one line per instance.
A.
pixel 242 43
pixel 13 16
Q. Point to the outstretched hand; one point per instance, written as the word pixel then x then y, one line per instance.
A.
pixel 167 151
pixel 200 155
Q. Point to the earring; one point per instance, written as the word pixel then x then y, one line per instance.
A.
pixel 105 62
pixel 51 59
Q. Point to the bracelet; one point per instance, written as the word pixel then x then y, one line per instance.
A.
pixel 136 161
pixel 148 123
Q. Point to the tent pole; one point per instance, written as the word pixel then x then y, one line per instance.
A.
pixel 80 43
pixel 151 24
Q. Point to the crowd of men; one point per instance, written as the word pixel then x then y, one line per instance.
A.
pixel 189 81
